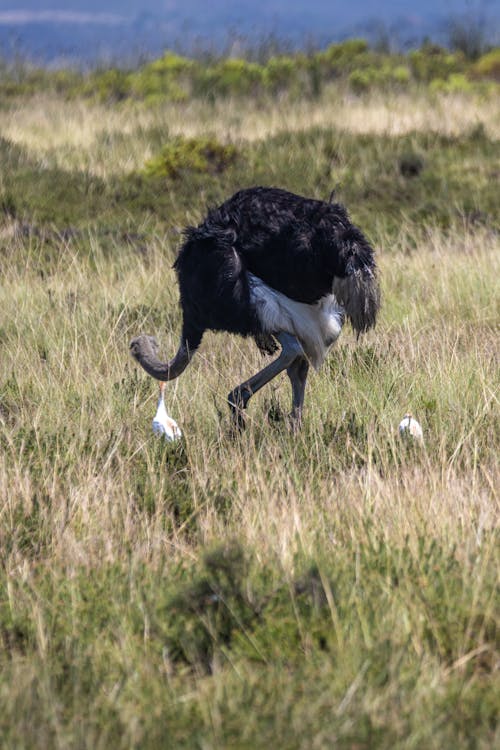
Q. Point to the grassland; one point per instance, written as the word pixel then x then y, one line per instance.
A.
pixel 332 589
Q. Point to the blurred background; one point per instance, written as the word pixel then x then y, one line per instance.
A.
pixel 89 32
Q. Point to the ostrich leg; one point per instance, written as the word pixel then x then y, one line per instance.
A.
pixel 297 372
pixel 240 396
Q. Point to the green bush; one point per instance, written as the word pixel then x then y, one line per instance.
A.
pixel 146 85
pixel 456 83
pixel 386 75
pixel 111 85
pixel 431 62
pixel 361 81
pixel 401 75
pixel 169 77
pixel 231 77
pixel 279 73
pixel 172 64
pixel 488 66
pixel 410 164
pixel 205 155
pixel 66 81
pixel 344 56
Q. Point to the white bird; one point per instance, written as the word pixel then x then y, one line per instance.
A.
pixel 163 424
pixel 409 427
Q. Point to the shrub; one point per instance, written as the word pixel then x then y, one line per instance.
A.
pixel 151 87
pixel 339 60
pixel 315 76
pixel 456 83
pixel 191 155
pixel 231 77
pixel 488 66
pixel 361 81
pixel 431 61
pixel 168 77
pixel 66 81
pixel 110 85
pixel 172 64
pixel 401 75
pixel 345 55
pixel 212 608
pixel 411 164
pixel 279 73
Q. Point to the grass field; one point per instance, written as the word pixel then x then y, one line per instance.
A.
pixel 333 589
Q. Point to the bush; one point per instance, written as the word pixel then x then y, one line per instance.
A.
pixel 361 80
pixel 172 64
pixel 401 75
pixel 110 85
pixel 457 83
pixel 488 66
pixel 279 73
pixel 344 56
pixel 231 77
pixel 191 155
pixel 168 77
pixel 432 61
pixel 411 164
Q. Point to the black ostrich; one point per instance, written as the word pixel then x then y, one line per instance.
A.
pixel 277 267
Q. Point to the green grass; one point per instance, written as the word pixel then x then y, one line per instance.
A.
pixel 337 588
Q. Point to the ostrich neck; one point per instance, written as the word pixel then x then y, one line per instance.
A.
pixel 146 356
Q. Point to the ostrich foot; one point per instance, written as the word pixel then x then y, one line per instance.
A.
pixel 238 400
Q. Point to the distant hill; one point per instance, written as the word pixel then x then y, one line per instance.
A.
pixel 89 31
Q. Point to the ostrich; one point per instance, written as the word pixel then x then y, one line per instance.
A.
pixel 280 268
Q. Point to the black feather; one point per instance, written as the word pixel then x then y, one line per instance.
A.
pixel 301 247
pixel 266 343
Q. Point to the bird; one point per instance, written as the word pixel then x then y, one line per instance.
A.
pixel 410 428
pixel 163 424
pixel 281 268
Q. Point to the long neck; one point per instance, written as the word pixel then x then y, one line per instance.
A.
pixel 144 351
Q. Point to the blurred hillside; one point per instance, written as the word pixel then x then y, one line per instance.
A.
pixel 353 64
pixel 90 32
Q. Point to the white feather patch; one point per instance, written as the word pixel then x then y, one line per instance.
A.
pixel 165 425
pixel 317 326
pixel 409 427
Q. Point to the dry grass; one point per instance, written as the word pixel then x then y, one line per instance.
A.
pixel 79 135
pixel 365 614
pixel 66 349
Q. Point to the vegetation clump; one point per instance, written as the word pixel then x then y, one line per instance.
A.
pixel 411 164
pixel 432 62
pixel 488 66
pixel 183 155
